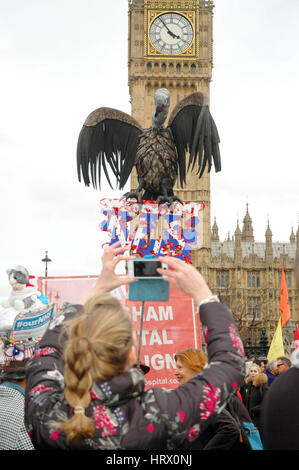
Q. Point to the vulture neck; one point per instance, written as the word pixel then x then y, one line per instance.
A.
pixel 158 119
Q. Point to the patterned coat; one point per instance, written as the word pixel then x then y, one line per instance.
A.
pixel 126 416
pixel 13 434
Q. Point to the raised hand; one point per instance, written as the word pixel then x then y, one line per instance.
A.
pixel 185 277
pixel 108 279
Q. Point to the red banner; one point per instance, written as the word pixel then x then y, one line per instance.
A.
pixel 65 289
pixel 168 327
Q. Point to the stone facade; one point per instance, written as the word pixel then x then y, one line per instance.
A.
pixel 246 275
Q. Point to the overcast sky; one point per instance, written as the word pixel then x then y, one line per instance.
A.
pixel 61 59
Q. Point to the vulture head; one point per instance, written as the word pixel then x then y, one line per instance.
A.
pixel 162 102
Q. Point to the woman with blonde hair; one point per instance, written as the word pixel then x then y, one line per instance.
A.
pixel 84 391
pixel 253 392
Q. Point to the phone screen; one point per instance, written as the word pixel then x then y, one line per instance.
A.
pixel 148 268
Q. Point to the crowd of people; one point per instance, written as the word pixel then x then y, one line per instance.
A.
pixel 83 390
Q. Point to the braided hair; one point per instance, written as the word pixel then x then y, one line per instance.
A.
pixel 97 350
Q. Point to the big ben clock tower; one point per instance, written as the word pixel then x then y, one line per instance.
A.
pixel 171 46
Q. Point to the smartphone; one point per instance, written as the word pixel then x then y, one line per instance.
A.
pixel 141 268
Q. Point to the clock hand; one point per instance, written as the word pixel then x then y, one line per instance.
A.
pixel 178 37
pixel 169 32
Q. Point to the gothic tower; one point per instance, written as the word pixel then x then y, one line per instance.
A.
pixel 183 67
pixel 247 232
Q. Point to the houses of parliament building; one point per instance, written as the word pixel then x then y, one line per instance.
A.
pixel 244 273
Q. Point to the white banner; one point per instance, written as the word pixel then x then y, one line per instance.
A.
pixel 32 325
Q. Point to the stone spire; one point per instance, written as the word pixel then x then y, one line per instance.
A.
pixel 269 247
pixel 268 233
pixel 238 231
pixel 238 246
pixel 292 237
pixel 215 234
pixel 297 238
pixel 247 232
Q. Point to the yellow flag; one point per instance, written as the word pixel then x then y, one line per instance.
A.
pixel 276 348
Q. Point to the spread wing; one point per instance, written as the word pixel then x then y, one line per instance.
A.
pixel 108 140
pixel 194 131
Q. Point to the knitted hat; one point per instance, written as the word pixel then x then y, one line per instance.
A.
pixel 14 355
pixel 14 370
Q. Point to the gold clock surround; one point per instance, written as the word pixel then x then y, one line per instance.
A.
pixel 150 51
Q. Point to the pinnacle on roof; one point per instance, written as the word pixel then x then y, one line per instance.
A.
pixel 215 235
pixel 247 232
pixel 237 231
pixel 247 216
pixel 268 231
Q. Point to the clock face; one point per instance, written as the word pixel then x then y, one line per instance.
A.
pixel 171 33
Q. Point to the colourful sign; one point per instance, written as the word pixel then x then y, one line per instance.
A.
pixel 32 325
pixel 151 229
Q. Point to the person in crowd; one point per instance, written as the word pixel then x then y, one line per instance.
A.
pixel 83 392
pixel 253 392
pixel 283 364
pixel 280 411
pixel 248 364
pixel 263 363
pixel 239 412
pixel 271 371
pixel 257 361
pixel 13 434
pixel 222 434
pixel 188 363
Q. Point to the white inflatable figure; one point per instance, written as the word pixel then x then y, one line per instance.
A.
pixel 23 297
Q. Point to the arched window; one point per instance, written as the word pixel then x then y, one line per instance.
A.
pixel 149 67
pixel 222 279
pixel 253 307
pixel 178 67
pixel 163 67
pixel 253 279
pixel 193 68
